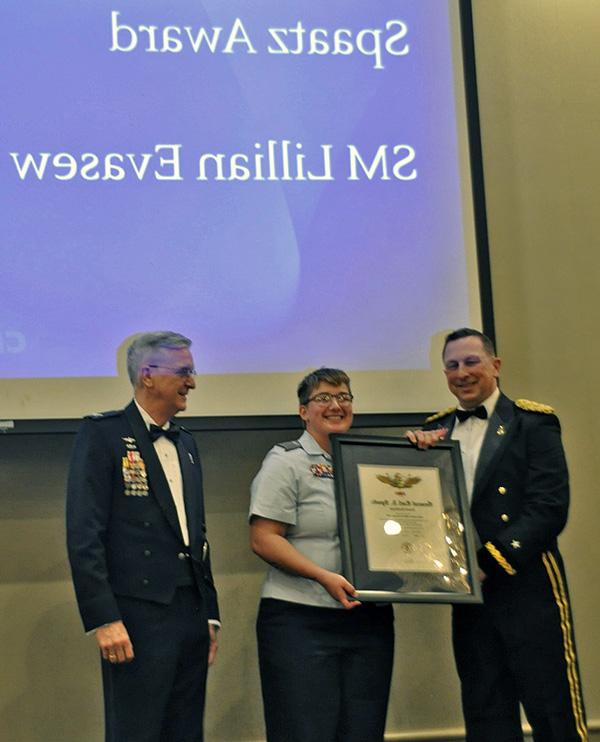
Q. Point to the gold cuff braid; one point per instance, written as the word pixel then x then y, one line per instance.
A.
pixel 500 559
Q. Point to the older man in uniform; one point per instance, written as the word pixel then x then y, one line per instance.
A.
pixel 139 556
pixel 519 645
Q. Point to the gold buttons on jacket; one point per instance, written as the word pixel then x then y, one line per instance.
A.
pixel 502 490
pixel 505 517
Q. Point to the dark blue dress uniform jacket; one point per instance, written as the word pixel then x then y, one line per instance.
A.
pixel 520 498
pixel 124 544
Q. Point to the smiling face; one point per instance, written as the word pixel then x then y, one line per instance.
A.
pixel 163 390
pixel 323 419
pixel 472 373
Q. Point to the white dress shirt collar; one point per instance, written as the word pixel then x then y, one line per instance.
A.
pixel 147 418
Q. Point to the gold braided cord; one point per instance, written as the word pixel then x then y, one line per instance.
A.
pixel 441 413
pixel 560 595
pixel 530 406
pixel 500 559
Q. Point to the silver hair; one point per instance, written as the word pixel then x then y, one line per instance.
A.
pixel 144 344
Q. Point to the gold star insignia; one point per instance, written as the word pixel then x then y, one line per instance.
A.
pixel 515 544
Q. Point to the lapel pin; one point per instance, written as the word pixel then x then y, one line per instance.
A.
pixel 500 430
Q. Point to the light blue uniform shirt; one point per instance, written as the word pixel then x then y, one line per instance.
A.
pixel 295 487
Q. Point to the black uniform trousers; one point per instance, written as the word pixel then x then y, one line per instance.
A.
pixel 325 672
pixel 159 695
pixel 519 646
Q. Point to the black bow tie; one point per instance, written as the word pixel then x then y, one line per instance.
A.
pixel 172 433
pixel 479 412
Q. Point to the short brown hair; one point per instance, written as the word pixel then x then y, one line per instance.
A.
pixel 333 376
pixel 467 332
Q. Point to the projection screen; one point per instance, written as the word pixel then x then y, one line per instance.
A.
pixel 287 183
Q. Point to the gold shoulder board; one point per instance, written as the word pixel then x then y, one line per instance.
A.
pixel 441 413
pixel 527 404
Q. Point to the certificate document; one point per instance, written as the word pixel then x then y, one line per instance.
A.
pixel 404 519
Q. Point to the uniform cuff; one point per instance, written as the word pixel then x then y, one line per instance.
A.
pixel 492 560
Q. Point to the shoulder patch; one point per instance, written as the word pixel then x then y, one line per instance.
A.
pixel 102 415
pixel 289 445
pixel 440 414
pixel 529 406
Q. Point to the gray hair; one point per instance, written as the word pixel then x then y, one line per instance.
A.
pixel 143 345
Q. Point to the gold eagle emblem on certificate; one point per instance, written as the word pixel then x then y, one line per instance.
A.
pixel 400 482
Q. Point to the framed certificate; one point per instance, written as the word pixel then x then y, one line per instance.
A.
pixel 404 524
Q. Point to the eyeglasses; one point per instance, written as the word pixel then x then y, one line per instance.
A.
pixel 324 398
pixel 469 362
pixel 181 371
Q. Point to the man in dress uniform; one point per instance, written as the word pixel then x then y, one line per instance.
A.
pixel 137 545
pixel 519 645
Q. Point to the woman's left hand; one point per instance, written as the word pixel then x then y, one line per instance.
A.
pixel 339 588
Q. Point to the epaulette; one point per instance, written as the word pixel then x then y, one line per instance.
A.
pixel 101 415
pixel 289 445
pixel 529 406
pixel 441 413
